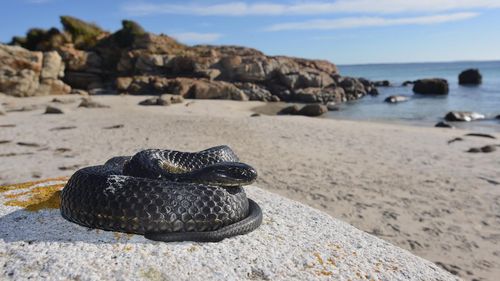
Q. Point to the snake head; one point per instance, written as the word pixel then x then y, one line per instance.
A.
pixel 227 174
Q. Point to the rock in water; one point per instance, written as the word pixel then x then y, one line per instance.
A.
pixel 313 110
pixel 470 76
pixel 463 116
pixel 332 106
pixel 443 124
pixel 432 86
pixel 53 110
pixel 396 99
pixel 383 83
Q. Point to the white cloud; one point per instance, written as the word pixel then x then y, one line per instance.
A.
pixel 194 37
pixel 354 22
pixel 308 8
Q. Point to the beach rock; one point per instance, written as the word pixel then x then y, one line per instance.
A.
pixel 332 106
pixel 53 67
pixel 432 86
pixel 383 83
pixel 313 110
pixel 396 99
pixel 2 110
pixel 19 71
pixel 406 83
pixel 176 99
pixel 79 92
pixel 255 115
pixel 289 110
pixel 122 83
pixel 488 148
pixel 204 89
pixel 53 110
pixel 156 101
pixel 53 87
pixel 89 103
pixel 498 117
pixel 319 247
pixel 255 91
pixel 463 116
pixel 443 124
pixel 470 77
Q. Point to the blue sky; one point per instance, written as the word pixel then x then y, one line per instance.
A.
pixel 342 31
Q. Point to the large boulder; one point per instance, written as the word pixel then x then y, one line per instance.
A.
pixel 25 73
pixel 313 110
pixel 470 77
pixel 463 116
pixel 432 86
pixel 19 71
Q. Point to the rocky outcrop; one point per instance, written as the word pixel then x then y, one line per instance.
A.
pixel 432 86
pixel 463 116
pixel 134 61
pixel 25 73
pixel 382 83
pixel 396 99
pixel 470 76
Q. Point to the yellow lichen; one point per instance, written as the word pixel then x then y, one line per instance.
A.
pixel 44 197
pixel 35 198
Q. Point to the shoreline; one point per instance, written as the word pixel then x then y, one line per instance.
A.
pixel 404 184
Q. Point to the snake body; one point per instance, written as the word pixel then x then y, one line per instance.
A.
pixel 165 195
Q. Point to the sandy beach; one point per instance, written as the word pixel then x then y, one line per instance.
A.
pixel 406 185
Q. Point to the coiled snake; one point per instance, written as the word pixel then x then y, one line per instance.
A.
pixel 165 195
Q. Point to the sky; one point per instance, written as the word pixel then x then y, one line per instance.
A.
pixel 341 31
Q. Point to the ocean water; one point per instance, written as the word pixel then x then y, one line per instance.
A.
pixel 425 110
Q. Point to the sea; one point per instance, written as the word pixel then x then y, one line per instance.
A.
pixel 425 110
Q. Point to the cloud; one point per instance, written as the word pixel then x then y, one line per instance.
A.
pixel 354 22
pixel 194 37
pixel 308 8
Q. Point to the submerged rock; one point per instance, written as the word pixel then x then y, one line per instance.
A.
pixel 432 86
pixel 463 116
pixel 470 77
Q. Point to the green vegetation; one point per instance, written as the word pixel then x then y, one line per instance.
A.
pixel 40 39
pixel 83 34
pixel 126 36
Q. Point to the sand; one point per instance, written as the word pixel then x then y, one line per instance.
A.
pixel 404 184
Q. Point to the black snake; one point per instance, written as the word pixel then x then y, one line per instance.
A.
pixel 165 195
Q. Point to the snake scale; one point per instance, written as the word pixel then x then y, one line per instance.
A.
pixel 165 195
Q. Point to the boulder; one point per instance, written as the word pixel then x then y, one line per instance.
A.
pixel 382 83
pixel 254 91
pixel 498 116
pixel 331 106
pixel 19 71
pixel 289 110
pixel 53 110
pixel 122 83
pixel 463 116
pixel 313 110
pixel 408 82
pixel 443 124
pixel 52 87
pixel 204 89
pixel 53 67
pixel 156 101
pixel 320 247
pixel 89 103
pixel 470 77
pixel 432 86
pixel 176 99
pixel 396 99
